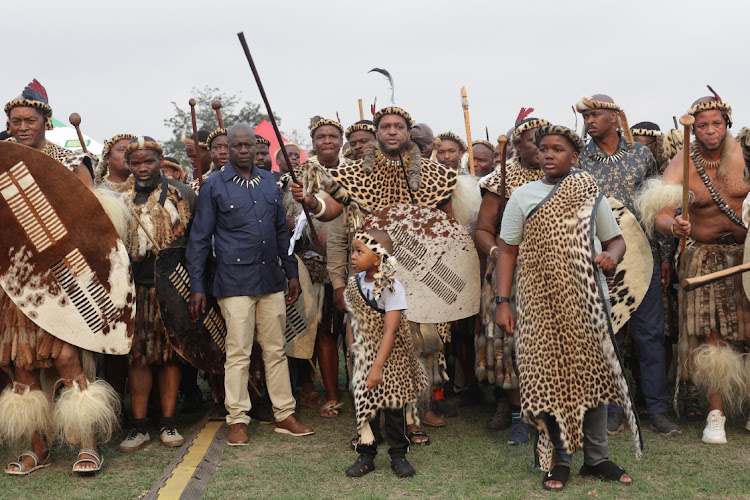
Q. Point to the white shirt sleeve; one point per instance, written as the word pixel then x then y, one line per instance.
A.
pixel 511 231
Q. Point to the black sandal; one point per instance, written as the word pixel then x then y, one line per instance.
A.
pixel 558 473
pixel 605 471
pixel 414 434
pixel 363 465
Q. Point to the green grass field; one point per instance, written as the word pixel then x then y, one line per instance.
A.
pixel 464 461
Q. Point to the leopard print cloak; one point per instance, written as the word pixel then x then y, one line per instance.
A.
pixel 567 361
pixel 403 377
pixel 516 176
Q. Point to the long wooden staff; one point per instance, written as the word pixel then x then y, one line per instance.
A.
pixel 465 105
pixel 196 142
pixel 241 36
pixel 502 142
pixel 361 111
pixel 687 121
pixel 697 281
pixel 216 105
pixel 75 120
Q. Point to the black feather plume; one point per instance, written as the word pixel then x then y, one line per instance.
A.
pixel 390 80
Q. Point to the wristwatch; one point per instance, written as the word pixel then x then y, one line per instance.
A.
pixel 499 299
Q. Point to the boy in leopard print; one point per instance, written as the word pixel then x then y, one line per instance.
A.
pixel 386 375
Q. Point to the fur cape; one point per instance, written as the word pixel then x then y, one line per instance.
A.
pixel 567 360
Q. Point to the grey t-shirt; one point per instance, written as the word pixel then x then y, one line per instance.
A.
pixel 525 198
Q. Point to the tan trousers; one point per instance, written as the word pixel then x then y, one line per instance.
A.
pixel 242 314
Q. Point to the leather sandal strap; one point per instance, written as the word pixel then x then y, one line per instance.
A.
pixel 31 454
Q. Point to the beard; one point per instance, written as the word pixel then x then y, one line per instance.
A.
pixel 393 151
pixel 705 147
pixel 150 183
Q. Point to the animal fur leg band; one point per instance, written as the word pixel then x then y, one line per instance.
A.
pixel 85 410
pixel 655 197
pixel 721 370
pixel 24 412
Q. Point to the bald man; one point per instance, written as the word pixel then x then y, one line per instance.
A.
pixel 422 135
pixel 240 208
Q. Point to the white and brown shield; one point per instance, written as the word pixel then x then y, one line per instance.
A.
pixel 61 260
pixel 202 344
pixel 302 317
pixel 632 276
pixel 437 262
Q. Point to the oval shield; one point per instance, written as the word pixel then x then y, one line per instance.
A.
pixel 632 276
pixel 202 344
pixel 61 260
pixel 438 264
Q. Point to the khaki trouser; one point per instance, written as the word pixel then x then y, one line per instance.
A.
pixel 242 314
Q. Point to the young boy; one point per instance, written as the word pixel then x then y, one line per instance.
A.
pixel 386 375
pixel 560 230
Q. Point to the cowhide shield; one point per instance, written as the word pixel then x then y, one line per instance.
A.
pixel 202 343
pixel 302 317
pixel 632 276
pixel 61 260
pixel 437 262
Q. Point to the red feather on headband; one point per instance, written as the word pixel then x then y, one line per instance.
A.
pixel 37 87
pixel 524 113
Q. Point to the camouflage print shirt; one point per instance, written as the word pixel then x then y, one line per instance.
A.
pixel 621 176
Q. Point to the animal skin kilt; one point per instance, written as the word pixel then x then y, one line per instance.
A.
pixel 151 344
pixel 567 361
pixel 403 377
pixel 720 307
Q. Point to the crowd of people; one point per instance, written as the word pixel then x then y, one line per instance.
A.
pixel 575 317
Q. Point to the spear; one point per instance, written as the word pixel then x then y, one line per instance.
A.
pixel 241 36
pixel 196 142
pixel 465 105
pixel 75 120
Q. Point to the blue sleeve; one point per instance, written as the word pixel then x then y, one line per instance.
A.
pixel 199 244
pixel 288 262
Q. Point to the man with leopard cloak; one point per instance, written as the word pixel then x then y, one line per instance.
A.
pixel 392 171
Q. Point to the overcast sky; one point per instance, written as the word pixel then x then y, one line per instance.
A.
pixel 121 64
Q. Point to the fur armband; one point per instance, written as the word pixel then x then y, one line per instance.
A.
pixel 654 197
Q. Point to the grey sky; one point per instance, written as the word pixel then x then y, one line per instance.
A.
pixel 120 65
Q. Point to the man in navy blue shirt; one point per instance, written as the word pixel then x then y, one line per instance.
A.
pixel 240 207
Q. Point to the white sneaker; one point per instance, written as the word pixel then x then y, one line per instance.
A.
pixel 170 437
pixel 714 431
pixel 134 442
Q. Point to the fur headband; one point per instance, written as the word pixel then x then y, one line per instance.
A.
pixel 387 269
pixel 393 110
pixel 586 104
pixel 216 133
pixel 262 140
pixel 484 143
pixel 364 125
pixel 559 130
pixel 324 121
pixel 142 142
pixel 528 124
pixel 172 162
pixel 699 107
pixel 646 132
pixel 114 140
pixel 452 137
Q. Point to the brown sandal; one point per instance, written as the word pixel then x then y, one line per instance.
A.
pixel 331 407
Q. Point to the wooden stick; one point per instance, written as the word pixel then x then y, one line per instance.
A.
pixel 465 105
pixel 686 121
pixel 148 234
pixel 196 142
pixel 243 42
pixel 216 105
pixel 361 112
pixel 502 142
pixel 255 388
pixel 320 379
pixel 698 281
pixel 75 120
